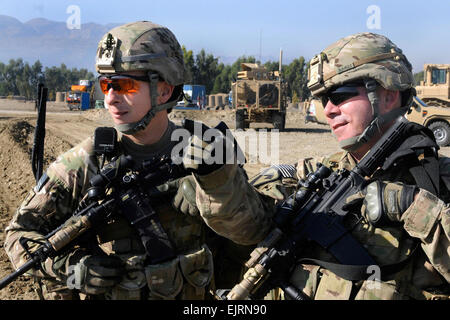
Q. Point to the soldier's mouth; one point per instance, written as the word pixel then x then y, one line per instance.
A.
pixel 338 125
pixel 118 114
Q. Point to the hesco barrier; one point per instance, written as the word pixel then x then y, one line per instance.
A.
pixel 218 100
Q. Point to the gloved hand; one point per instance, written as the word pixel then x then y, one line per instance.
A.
pixel 184 199
pixel 203 157
pixel 96 274
pixel 383 203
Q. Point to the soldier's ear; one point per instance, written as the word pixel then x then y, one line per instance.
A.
pixel 165 91
pixel 391 99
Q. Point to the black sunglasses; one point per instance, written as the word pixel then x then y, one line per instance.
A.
pixel 341 94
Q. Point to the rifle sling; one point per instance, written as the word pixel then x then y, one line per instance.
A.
pixel 146 221
pixel 329 232
pixel 419 142
pixel 426 173
pixel 361 272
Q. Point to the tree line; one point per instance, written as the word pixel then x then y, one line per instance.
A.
pixel 205 69
pixel 19 78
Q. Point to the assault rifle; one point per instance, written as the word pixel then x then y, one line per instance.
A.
pixel 121 186
pixel 133 187
pixel 315 213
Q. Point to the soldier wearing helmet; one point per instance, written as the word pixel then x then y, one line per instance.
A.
pixel 365 82
pixel 141 74
pixel 363 63
pixel 402 217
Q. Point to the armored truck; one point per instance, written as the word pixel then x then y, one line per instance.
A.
pixel 435 89
pixel 259 95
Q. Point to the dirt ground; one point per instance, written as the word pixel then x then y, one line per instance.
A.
pixel 66 128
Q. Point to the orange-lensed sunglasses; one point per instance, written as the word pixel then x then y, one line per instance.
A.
pixel 121 84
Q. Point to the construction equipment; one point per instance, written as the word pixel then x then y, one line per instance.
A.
pixel 435 89
pixel 81 96
pixel 259 95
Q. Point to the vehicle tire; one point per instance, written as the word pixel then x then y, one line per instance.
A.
pixel 441 131
pixel 279 121
pixel 240 119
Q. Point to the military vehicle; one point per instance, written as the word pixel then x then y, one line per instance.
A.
pixel 435 89
pixel 314 111
pixel 259 95
pixel 437 119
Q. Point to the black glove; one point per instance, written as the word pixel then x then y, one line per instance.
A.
pixel 383 203
pixel 203 157
pixel 95 274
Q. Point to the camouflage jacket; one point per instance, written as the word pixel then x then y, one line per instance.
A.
pixel 58 194
pixel 426 221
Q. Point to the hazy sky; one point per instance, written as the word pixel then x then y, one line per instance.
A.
pixel 232 28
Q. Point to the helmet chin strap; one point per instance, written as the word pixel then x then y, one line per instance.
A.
pixel 132 128
pixel 375 126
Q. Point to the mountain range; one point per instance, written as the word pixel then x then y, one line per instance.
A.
pixel 50 42
pixel 53 43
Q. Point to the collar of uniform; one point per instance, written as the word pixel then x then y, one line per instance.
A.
pixel 144 152
pixel 347 161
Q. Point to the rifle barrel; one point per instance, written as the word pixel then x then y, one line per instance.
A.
pixel 20 271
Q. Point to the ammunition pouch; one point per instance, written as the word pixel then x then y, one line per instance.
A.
pixel 166 280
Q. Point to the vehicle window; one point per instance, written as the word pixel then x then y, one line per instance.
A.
pixel 438 76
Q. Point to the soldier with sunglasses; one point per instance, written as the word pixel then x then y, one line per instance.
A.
pixel 142 75
pixel 402 217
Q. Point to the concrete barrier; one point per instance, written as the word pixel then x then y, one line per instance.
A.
pixel 219 100
pixel 211 100
pixel 59 97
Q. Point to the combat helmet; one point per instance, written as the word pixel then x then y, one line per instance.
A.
pixel 371 59
pixel 143 46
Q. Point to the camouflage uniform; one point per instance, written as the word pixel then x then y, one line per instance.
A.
pixel 427 219
pixel 187 277
pixel 424 274
pixel 375 61
pixel 141 46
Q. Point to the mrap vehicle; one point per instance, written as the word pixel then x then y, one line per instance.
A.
pixel 259 95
